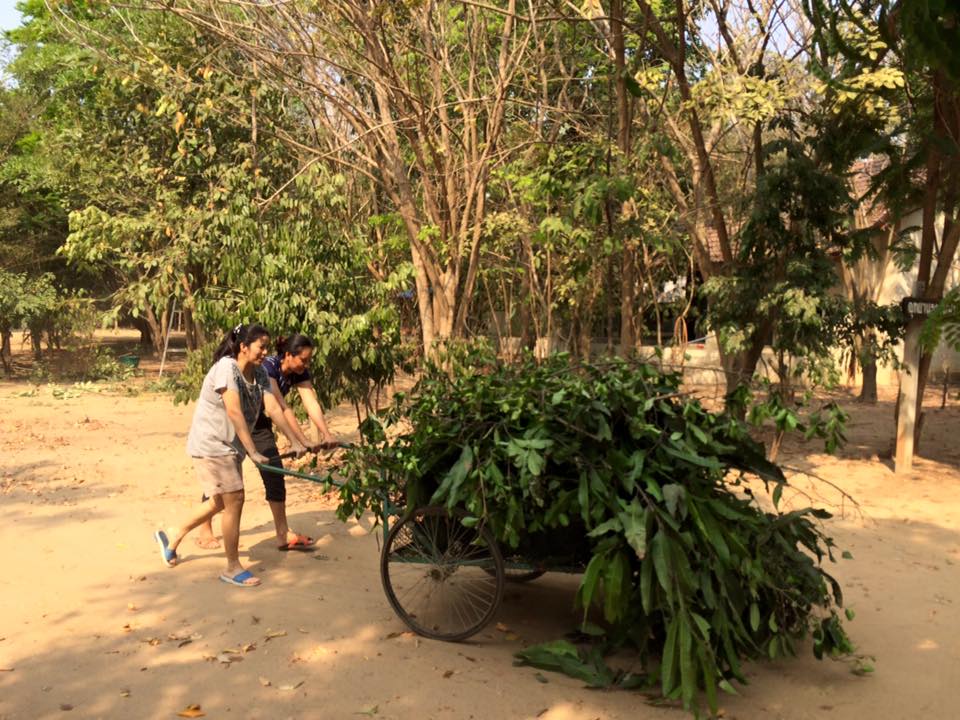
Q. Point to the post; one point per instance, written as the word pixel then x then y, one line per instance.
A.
pixel 907 415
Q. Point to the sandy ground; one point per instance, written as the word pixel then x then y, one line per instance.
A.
pixel 91 624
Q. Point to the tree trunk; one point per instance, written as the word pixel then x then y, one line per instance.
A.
pixel 628 330
pixel 868 390
pixel 193 330
pixel 923 374
pixel 6 354
pixel 36 338
pixel 156 329
pixel 146 332
pixel 609 306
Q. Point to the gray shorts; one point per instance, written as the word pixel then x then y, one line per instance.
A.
pixel 219 475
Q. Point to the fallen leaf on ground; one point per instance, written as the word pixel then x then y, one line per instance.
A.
pixel 448 673
pixel 254 620
pixel 66 706
pixel 290 687
pixel 6 669
pixel 541 678
pixel 249 647
pixel 371 711
pixel 264 681
pixel 303 630
pixel 271 634
pixel 512 636
pixel 502 628
pixel 124 693
pixel 191 711
pixel 232 651
pixel 131 607
pixel 226 658
pixel 184 642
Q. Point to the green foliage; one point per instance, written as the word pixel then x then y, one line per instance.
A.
pixel 943 323
pixel 827 422
pixel 609 467
pixel 781 291
pixel 185 386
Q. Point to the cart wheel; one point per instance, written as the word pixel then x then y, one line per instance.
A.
pixel 443 579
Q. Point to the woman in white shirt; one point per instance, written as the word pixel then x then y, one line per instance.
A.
pixel 233 393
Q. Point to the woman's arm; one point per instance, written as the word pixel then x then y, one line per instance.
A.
pixel 231 402
pixel 310 403
pixel 272 408
pixel 288 414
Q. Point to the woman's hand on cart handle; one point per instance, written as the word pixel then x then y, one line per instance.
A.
pixel 327 445
pixel 298 450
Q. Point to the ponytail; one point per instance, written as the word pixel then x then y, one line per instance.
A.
pixel 240 335
pixel 294 344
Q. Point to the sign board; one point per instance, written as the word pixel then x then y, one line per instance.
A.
pixel 914 307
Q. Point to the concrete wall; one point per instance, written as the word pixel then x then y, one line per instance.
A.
pixel 899 285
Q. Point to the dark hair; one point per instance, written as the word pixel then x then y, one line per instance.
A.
pixel 240 335
pixel 293 344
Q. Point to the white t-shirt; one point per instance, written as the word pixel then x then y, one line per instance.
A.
pixel 211 432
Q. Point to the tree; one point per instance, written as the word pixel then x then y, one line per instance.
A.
pixel 917 50
pixel 417 99
pixel 720 100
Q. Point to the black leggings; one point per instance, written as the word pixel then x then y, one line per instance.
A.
pixel 266 444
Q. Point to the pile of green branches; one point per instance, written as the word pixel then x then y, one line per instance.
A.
pixel 612 466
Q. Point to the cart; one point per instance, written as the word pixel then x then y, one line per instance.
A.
pixel 443 578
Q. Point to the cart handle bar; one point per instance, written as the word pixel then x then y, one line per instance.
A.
pixel 331 446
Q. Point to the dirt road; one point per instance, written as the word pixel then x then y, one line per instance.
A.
pixel 91 624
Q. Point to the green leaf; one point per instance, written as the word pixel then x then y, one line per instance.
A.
pixel 591 577
pixel 709 463
pixel 615 600
pixel 777 492
pixel 634 524
pixel 754 617
pixel 450 485
pixel 727 687
pixel 673 495
pixel 659 553
pixel 688 664
pixel 646 585
pixel 668 663
pixel 612 525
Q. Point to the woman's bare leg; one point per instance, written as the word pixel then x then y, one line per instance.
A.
pixel 230 525
pixel 203 515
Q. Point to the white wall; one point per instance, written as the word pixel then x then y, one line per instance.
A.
pixel 899 285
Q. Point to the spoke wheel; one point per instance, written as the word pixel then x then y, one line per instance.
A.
pixel 443 579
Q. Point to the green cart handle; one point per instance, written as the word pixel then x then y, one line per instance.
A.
pixel 389 508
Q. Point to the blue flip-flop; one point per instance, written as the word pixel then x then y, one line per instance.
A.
pixel 239 579
pixel 168 556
